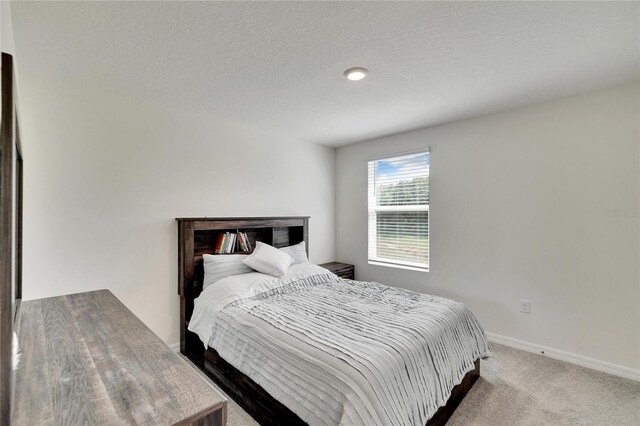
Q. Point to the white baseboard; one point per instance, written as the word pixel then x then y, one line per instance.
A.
pixel 175 347
pixel 583 361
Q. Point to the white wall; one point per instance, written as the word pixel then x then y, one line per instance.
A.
pixel 106 174
pixel 7 42
pixel 519 205
pixel 7 45
pixel 519 202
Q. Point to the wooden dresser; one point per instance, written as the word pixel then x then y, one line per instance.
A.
pixel 86 359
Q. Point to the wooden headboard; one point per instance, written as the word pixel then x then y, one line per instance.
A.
pixel 198 236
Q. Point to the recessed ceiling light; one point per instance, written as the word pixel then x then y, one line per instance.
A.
pixel 356 73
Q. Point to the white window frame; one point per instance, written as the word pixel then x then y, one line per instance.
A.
pixel 373 209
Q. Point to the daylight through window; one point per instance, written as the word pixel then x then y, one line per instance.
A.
pixel 399 211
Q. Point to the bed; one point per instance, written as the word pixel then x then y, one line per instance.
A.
pixel 312 348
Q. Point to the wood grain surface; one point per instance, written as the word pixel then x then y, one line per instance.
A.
pixel 343 270
pixel 86 359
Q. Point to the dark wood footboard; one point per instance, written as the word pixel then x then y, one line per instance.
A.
pixel 457 395
pixel 266 410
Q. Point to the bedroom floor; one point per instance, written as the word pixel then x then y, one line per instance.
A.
pixel 520 388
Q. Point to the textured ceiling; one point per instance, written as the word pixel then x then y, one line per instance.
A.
pixel 277 67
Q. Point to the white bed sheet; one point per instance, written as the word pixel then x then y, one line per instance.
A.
pixel 227 290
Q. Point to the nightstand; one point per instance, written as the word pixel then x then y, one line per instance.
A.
pixel 343 270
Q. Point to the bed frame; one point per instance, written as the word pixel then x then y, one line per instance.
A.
pixel 197 236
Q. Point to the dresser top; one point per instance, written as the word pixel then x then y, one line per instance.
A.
pixel 86 359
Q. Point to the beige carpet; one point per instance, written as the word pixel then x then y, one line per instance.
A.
pixel 520 388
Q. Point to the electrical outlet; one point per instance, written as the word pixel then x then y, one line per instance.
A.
pixel 525 306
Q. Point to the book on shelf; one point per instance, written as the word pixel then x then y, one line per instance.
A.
pixel 241 242
pixel 246 244
pixel 222 245
pixel 229 242
pixel 219 242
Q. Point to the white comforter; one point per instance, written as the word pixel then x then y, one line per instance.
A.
pixel 237 287
pixel 338 351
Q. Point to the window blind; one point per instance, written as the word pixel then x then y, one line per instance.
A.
pixel 398 194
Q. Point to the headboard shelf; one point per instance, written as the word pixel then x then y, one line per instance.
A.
pixel 198 236
pixel 213 223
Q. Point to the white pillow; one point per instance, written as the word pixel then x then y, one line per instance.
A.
pixel 268 260
pixel 220 266
pixel 297 252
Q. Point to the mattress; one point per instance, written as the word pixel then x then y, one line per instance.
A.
pixel 341 352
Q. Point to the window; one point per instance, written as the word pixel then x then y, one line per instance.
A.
pixel 399 211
